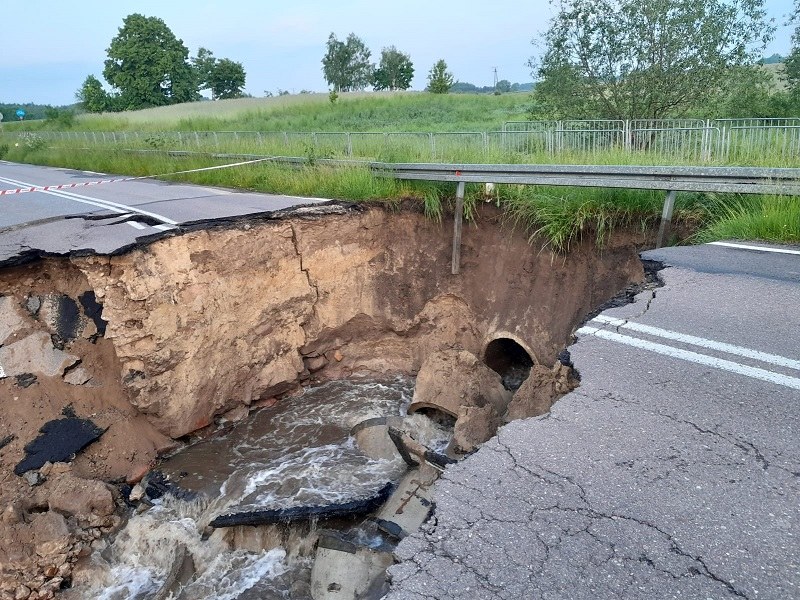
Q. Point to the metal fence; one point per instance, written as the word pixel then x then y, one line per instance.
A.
pixel 722 141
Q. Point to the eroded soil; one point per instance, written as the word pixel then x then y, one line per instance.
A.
pixel 204 326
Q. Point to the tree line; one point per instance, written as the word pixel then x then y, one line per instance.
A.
pixel 347 68
pixel 148 66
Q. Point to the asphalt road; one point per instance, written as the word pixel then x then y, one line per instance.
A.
pixel 110 217
pixel 673 471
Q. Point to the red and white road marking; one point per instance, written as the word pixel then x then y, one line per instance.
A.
pixel 63 186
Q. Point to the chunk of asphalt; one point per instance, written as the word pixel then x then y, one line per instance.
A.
pixel 94 310
pixel 67 318
pixel 59 441
pixel 159 485
pixel 25 380
pixel 293 514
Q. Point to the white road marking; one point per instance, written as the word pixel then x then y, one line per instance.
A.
pixel 107 204
pixel 692 340
pixel 163 227
pixel 702 359
pixel 758 248
pixel 137 225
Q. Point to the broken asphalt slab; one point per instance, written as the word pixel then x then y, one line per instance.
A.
pixel 657 478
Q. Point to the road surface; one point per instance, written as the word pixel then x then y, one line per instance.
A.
pixel 673 471
pixel 110 217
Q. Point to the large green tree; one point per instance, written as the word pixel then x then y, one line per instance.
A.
pixel 440 80
pixel 224 77
pixel 346 64
pixel 395 70
pixel 149 65
pixel 623 59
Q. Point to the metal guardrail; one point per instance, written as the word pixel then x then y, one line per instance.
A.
pixel 741 180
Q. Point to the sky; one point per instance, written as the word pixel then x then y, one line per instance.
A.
pixel 52 45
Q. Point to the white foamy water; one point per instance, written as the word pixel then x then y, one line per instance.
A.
pixel 296 453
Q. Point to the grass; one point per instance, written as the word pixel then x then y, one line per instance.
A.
pixel 765 218
pixel 558 215
pixel 354 111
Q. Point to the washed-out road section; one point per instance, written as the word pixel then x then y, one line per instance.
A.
pixel 110 217
pixel 673 471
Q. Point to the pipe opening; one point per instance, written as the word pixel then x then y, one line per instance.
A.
pixel 510 360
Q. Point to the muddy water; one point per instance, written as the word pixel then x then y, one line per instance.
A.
pixel 298 452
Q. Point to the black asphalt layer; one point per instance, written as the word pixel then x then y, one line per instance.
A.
pixel 113 217
pixel 659 477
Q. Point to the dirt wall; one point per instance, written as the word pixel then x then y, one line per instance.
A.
pixel 211 321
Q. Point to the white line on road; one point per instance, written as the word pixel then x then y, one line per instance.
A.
pixel 163 227
pixel 107 204
pixel 759 248
pixel 702 359
pixel 774 359
pixel 137 225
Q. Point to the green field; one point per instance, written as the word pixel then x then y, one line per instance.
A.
pixel 553 216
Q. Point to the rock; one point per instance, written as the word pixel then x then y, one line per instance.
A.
pixel 338 356
pixel 60 439
pixel 450 379
pixel 540 390
pixel 12 514
pixel 316 363
pixel 34 478
pixel 235 414
pixel 77 376
pixel 25 380
pixel 51 534
pixel 475 425
pixel 11 320
pixel 33 304
pixel 34 354
pixel 73 496
pixel 137 493
pixel 22 592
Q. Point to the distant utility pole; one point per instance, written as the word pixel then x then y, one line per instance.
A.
pixel 495 79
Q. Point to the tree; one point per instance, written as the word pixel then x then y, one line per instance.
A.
pixel 224 77
pixel 346 64
pixel 504 86
pixel 148 64
pixel 203 65
pixel 394 72
pixel 227 79
pixel 92 96
pixel 440 80
pixel 622 59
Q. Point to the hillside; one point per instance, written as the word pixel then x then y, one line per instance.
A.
pixel 373 111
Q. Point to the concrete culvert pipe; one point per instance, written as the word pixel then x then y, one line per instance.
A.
pixel 510 360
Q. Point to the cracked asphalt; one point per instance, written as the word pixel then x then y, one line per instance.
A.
pixel 660 476
pixel 113 217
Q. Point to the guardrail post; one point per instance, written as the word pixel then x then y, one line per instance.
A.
pixel 457 223
pixel 666 218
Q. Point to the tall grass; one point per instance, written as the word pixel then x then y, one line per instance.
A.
pixel 766 218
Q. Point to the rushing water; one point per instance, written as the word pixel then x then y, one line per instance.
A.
pixel 298 452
